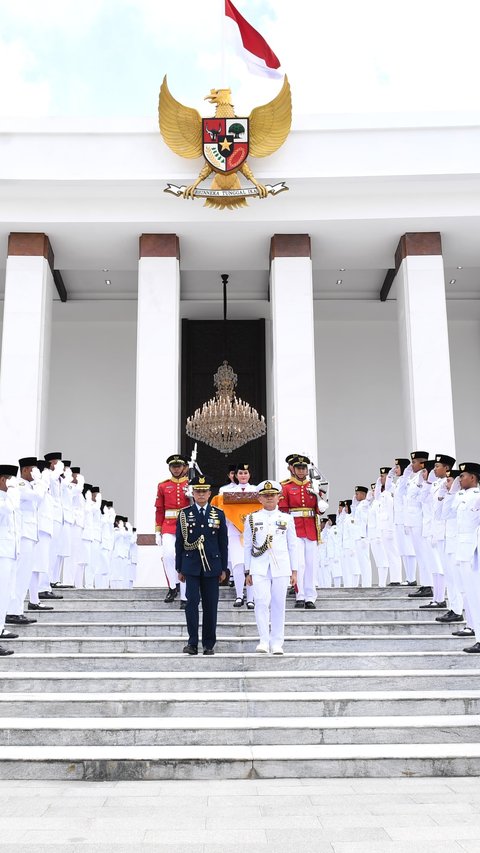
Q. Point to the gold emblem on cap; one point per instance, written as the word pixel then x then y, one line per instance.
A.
pixel 437 457
pixel 201 481
pixel 462 467
pixel 268 485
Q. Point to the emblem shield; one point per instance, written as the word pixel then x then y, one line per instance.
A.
pixel 225 143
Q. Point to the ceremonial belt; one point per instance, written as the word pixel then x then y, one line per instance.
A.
pixel 171 513
pixel 302 512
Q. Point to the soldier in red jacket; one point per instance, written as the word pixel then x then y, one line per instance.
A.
pixel 171 498
pixel 301 501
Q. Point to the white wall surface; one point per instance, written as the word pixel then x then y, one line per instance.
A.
pixel 92 394
pixel 464 339
pixel 360 423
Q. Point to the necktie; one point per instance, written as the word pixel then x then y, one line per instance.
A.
pixel 202 511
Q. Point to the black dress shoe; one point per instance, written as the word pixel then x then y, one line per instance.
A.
pixel 394 583
pixel 208 652
pixel 5 652
pixel 449 617
pixel 309 605
pixel 422 592
pixel 8 635
pixel 464 632
pixel 38 606
pixel 170 596
pixel 411 583
pixel 19 620
pixel 300 605
pixel 473 650
pixel 47 595
pixel 61 586
pixel 238 602
pixel 190 650
pixel 434 605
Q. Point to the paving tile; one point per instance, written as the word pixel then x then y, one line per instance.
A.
pixel 432 833
pixel 207 837
pixel 395 847
pixel 275 821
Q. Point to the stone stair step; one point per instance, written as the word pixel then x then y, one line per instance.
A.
pixel 58 661
pixel 237 731
pixel 93 644
pixel 153 603
pixel 286 680
pixel 240 628
pixel 238 762
pixel 117 613
pixel 252 704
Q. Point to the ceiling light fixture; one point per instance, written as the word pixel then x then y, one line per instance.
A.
pixel 105 269
pixel 107 281
pixel 342 269
pixel 453 280
pixel 459 268
pixel 339 280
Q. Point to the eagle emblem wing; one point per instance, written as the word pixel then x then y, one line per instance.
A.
pixel 270 123
pixel 180 126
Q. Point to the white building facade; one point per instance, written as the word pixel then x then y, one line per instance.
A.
pixel 367 273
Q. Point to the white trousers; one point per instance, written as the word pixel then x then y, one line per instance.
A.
pixel 351 569
pixel 307 569
pixel 55 561
pixel 455 597
pixel 168 542
pixel 270 595
pixel 393 556
pixel 23 574
pixel 470 586
pixel 239 581
pixel 362 551
pixel 422 555
pixel 7 568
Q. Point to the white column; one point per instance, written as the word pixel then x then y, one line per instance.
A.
pixel 424 348
pixel 25 360
pixel 293 367
pixel 157 432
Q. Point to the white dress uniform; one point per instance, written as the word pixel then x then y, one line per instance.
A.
pixel 119 574
pixel 9 546
pixel 68 491
pixel 235 544
pixel 402 535
pixel 387 532
pixel 324 578
pixel 57 533
pixel 351 568
pixel 41 554
pixel 449 518
pixel 430 530
pixel 72 565
pixel 31 495
pixel 102 576
pixel 360 535
pixel 375 538
pixel 413 516
pixel 272 538
pixel 334 548
pixel 467 506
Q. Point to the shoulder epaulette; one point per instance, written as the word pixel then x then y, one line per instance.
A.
pixel 284 482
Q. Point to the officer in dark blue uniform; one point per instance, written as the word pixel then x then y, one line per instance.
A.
pixel 201 554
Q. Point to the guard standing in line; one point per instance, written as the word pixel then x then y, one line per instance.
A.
pixel 299 500
pixel 201 552
pixel 171 498
pixel 9 540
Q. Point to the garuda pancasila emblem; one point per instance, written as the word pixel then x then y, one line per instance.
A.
pixel 225 141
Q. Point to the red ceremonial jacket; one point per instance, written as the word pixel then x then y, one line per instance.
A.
pixel 170 497
pixel 295 496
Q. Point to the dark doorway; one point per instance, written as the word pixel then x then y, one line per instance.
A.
pixel 205 344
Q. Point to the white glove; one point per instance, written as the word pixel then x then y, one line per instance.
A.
pixel 106 511
pixel 158 538
pixel 98 499
pixel 46 476
pixel 128 526
pixel 112 513
pixel 121 525
pixel 322 505
pixel 58 468
pixel 80 481
pixel 36 475
pixel 88 496
pixel 455 487
pixel 67 476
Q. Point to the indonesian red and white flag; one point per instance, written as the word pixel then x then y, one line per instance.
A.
pixel 250 45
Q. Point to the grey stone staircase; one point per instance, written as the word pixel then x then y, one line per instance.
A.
pixel 369 686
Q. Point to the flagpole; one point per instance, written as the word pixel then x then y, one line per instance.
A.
pixel 223 35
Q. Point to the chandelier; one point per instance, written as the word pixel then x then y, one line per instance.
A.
pixel 225 422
